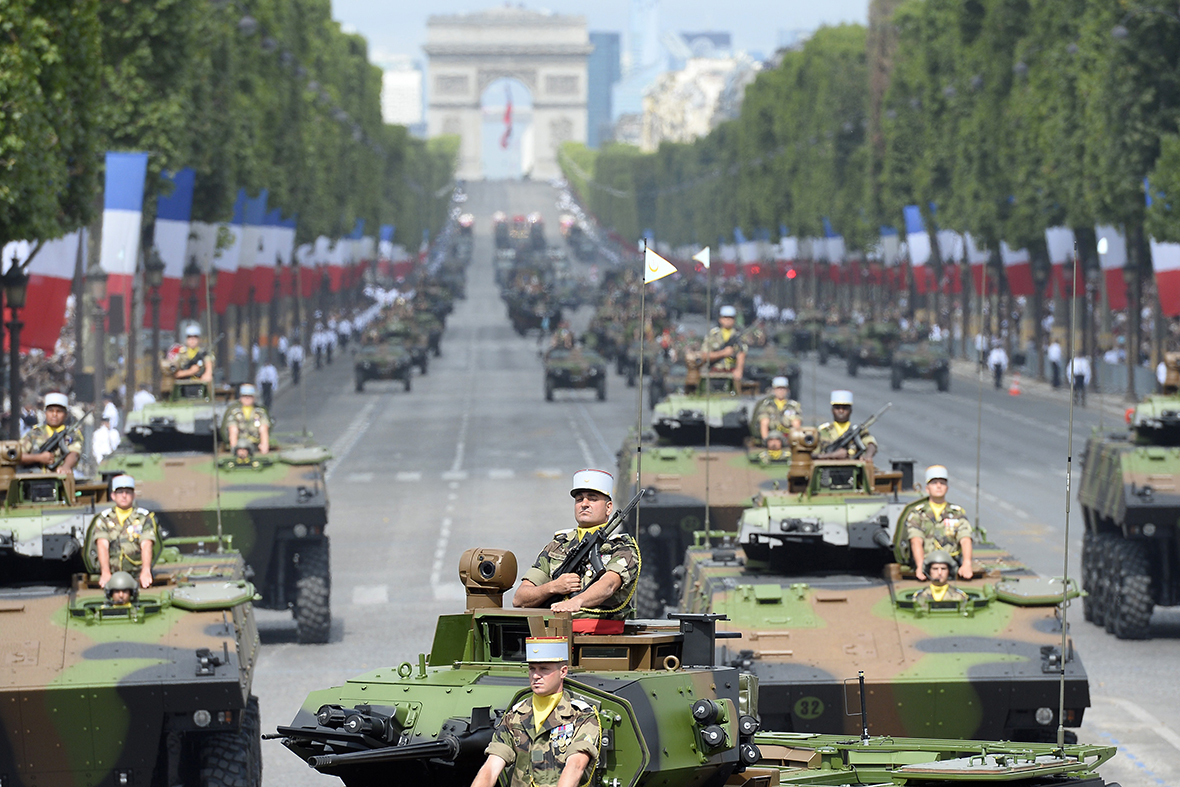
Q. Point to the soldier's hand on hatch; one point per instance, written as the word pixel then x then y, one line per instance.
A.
pixel 965 571
pixel 569 605
pixel 103 578
pixel 145 578
pixel 566 584
pixel 920 574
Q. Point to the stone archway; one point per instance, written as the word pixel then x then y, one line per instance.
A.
pixel 545 52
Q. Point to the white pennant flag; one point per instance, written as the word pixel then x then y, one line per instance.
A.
pixel 655 267
pixel 702 257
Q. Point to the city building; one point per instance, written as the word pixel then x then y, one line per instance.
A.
pixel 604 67
pixel 401 93
pixel 684 105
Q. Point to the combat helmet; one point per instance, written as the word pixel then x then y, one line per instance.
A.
pixel 121 580
pixel 940 556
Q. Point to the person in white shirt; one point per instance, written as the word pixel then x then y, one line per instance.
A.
pixel 143 397
pixel 110 412
pixel 283 347
pixel 1078 373
pixel 104 441
pixel 1053 356
pixel 295 359
pixel 267 381
pixel 997 359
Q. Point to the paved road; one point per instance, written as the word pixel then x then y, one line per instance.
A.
pixel 474 456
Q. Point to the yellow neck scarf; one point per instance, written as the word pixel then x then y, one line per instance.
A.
pixel 123 513
pixel 543 705
pixel 938 593
pixel 247 411
pixel 726 333
pixel 841 428
pixel 585 531
pixel 938 508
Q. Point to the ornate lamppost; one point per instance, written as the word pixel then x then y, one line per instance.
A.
pixel 191 281
pixel 153 277
pixel 16 287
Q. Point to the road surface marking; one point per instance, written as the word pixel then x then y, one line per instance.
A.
pixel 368 595
pixel 587 456
pixel 455 475
pixel 597 433
pixel 345 442
pixel 549 472
pixel 359 478
pixel 501 474
pixel 1143 715
pixel 408 476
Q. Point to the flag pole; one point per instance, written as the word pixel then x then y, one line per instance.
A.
pixel 708 387
pixel 639 387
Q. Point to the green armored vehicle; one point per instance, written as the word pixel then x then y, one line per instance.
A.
pixel 274 505
pixel 873 346
pixel 156 690
pixel 415 342
pixel 574 369
pixel 680 417
pixel 383 360
pixel 1131 508
pixel 921 361
pixel 668 715
pixel 837 340
pixel 183 419
pixel 769 360
pixel 818 583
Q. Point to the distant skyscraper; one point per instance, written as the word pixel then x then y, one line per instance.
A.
pixel 643 42
pixel 604 70
pixel 401 94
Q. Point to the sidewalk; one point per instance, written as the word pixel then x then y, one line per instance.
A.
pixel 967 373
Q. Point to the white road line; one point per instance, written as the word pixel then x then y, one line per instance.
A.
pixel 581 441
pixel 440 551
pixel 455 475
pixel 359 478
pixel 345 442
pixel 597 433
pixel 367 595
pixel 468 397
pixel 408 476
pixel 548 472
pixel 1140 713
pixel 501 474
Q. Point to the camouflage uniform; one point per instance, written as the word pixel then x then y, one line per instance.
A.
pixel 944 533
pixel 828 435
pixel 36 437
pixel 768 457
pixel 200 359
pixel 780 420
pixel 538 758
pixel 714 342
pixel 127 538
pixel 619 554
pixel 250 427
pixel 952 594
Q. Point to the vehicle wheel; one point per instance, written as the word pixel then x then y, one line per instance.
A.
pixel 313 612
pixel 648 603
pixel 602 389
pixel 438 351
pixel 895 379
pixel 360 384
pixel 252 728
pixel 1131 602
pixel 943 380
pixel 823 356
pixel 852 367
pixel 231 759
pixel 408 379
pixel 1093 545
pixel 548 390
pixel 620 359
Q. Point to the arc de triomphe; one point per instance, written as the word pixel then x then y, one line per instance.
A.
pixel 546 52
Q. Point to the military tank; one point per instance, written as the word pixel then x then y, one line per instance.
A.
pixel 818 583
pixel 669 715
pixel 183 419
pixel 274 505
pixel 154 691
pixel 1131 507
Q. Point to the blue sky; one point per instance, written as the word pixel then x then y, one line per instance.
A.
pixel 399 27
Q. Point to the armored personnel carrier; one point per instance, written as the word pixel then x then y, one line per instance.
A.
pixel 183 419
pixel 818 583
pixel 873 346
pixel 768 360
pixel 921 361
pixel 383 360
pixel 576 369
pixel 154 691
pixel 274 505
pixel 1131 505
pixel 669 715
pixel 680 417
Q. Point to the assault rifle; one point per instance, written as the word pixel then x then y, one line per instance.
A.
pixel 52 444
pixel 852 436
pixel 588 549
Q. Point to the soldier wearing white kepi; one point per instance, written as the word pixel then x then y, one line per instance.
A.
pixel 124 536
pixel 833 430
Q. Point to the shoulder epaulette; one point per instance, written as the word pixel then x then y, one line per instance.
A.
pixel 565 532
pixel 580 705
pixel 107 511
pixel 143 512
pixel 825 425
pixel 520 705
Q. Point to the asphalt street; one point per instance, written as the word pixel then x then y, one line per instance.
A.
pixel 474 456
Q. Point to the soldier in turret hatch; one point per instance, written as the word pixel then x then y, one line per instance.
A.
pixel 65 450
pixel 125 536
pixel 245 420
pixel 724 348
pixel 777 412
pixel 194 361
pixel 122 590
pixel 937 524
pixel 833 430
pixel 938 567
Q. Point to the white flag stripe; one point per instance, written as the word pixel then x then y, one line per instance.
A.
pixel 1165 256
pixel 1060 243
pixel 172 243
pixel 120 240
pixel 1116 248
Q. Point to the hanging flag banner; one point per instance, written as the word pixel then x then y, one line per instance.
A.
pixel 655 267
pixel 51 277
pixel 254 215
pixel 1059 241
pixel 385 251
pixel 1112 259
pixel 918 247
pixel 1017 269
pixel 174 211
pixel 266 260
pixel 122 222
pixel 202 243
pixel 702 257
pixel 1165 262
pixel 227 252
pixel 977 258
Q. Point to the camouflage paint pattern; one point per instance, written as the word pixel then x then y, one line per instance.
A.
pixel 681 417
pixel 768 361
pixel 382 361
pixel 183 419
pixel 923 361
pixel 873 346
pixel 576 368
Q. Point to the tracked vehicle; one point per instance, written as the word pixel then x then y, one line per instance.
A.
pixel 669 716
pixel 818 583
pixel 157 691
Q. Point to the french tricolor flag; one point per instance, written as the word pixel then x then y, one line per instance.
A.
pixel 255 215
pixel 1112 264
pixel 173 226
pixel 225 261
pixel 264 262
pixel 1165 261
pixel 1017 269
pixel 918 242
pixel 122 223
pixel 285 249
pixel 1060 242
pixel 51 276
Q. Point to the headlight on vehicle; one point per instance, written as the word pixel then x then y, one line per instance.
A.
pixel 1044 716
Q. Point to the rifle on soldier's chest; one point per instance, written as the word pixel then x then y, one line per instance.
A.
pixel 588 549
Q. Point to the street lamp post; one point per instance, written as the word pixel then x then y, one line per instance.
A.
pixel 16 286
pixel 191 282
pixel 153 276
pixel 96 283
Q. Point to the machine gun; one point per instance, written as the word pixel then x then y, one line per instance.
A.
pixel 852 436
pixel 587 550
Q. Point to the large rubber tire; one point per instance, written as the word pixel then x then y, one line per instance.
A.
pixel 648 603
pixel 895 379
pixel 425 365
pixel 252 729
pixel 232 759
pixel 943 380
pixel 313 610
pixel 632 370
pixel 360 384
pixel 1090 553
pixel 1131 603
pixel 409 379
pixel 823 356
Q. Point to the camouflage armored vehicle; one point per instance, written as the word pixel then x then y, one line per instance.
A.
pixel 669 716
pixel 769 360
pixel 275 506
pixel 408 335
pixel 837 340
pixel 873 346
pixel 183 419
pixel 922 361
pixel 154 691
pixel 819 585
pixel 1131 506
pixel 378 360
pixel 680 418
pixel 574 369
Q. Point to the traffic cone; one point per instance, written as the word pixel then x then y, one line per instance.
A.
pixel 1014 390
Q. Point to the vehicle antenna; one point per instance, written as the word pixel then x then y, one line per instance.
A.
pixel 639 388
pixel 864 709
pixel 1073 321
pixel 213 398
pixel 708 388
pixel 979 363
